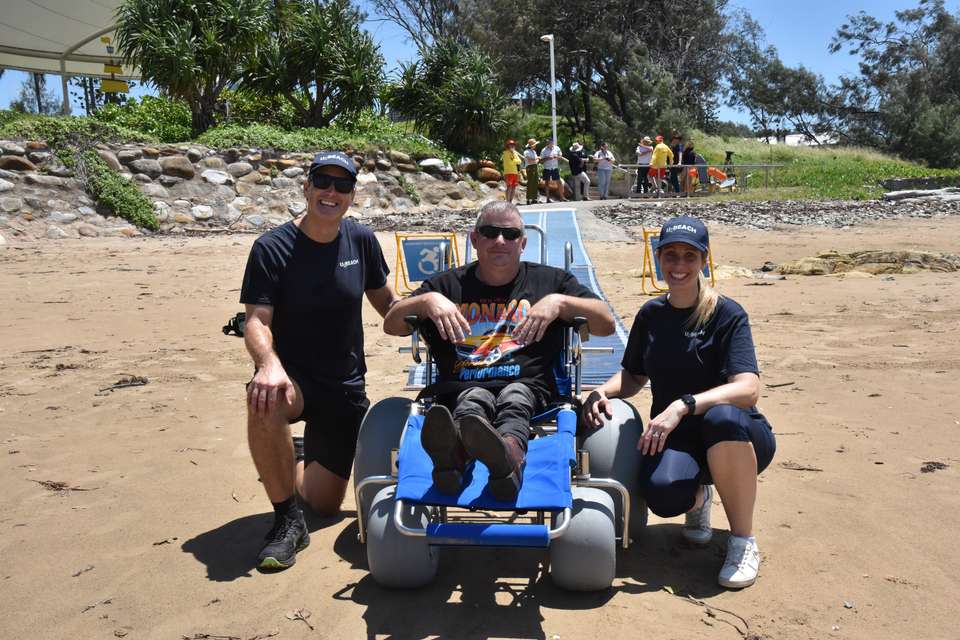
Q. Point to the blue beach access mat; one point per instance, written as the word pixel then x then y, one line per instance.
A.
pixel 561 227
pixel 546 479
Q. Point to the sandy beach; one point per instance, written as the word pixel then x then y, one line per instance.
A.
pixel 136 511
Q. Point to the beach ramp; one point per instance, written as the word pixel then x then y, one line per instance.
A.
pixel 559 226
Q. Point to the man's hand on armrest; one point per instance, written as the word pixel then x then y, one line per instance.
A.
pixel 597 312
pixel 446 316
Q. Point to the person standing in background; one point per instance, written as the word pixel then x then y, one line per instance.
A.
pixel 644 153
pixel 604 159
pixel 511 168
pixel 551 157
pixel 531 161
pixel 676 146
pixel 579 180
pixel 662 156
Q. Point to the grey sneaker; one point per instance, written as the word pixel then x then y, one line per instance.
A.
pixel 742 564
pixel 696 525
pixel 281 544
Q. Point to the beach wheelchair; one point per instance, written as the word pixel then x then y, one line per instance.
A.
pixel 577 501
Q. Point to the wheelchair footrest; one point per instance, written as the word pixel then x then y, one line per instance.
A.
pixel 490 535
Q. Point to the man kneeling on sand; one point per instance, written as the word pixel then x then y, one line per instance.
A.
pixel 303 290
pixel 495 329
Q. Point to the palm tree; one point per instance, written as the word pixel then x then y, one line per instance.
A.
pixel 191 50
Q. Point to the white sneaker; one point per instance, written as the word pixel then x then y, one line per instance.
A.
pixel 742 563
pixel 696 526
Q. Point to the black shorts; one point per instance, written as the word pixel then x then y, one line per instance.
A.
pixel 551 174
pixel 332 423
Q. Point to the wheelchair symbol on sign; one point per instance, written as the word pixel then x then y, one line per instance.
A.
pixel 429 263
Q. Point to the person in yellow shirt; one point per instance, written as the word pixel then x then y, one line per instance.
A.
pixel 662 156
pixel 511 168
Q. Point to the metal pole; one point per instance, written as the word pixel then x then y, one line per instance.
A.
pixel 63 85
pixel 553 86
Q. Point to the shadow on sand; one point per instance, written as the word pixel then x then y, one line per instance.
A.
pixel 483 593
pixel 230 551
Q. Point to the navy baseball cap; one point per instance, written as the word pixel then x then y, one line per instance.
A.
pixel 333 159
pixel 685 229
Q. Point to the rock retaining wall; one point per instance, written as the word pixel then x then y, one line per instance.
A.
pixel 193 187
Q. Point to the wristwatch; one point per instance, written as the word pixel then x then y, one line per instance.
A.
pixel 691 403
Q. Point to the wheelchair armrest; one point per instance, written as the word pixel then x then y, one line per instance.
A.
pixel 580 325
pixel 414 322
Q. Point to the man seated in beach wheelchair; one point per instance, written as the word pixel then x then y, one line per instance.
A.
pixel 504 337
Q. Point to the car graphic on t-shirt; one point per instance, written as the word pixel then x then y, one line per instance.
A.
pixel 490 347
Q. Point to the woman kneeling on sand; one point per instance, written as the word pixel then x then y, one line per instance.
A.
pixel 696 349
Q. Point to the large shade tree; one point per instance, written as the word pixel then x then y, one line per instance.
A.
pixel 319 59
pixel 191 50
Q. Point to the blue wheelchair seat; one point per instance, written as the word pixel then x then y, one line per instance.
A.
pixel 546 479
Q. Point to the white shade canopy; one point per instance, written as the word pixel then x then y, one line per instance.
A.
pixel 58 36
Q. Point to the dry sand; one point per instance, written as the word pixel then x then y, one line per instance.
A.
pixel 158 538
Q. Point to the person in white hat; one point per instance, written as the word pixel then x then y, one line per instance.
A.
pixel 579 180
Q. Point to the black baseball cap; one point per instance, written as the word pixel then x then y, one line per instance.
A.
pixel 333 159
pixel 685 229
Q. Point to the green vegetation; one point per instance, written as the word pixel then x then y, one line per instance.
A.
pixel 165 119
pixel 813 172
pixel 409 188
pixel 116 193
pixel 56 130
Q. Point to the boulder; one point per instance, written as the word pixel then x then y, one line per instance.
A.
pixel 10 205
pixel 3 241
pixel 9 175
pixel 39 157
pixel 16 163
pixel 432 165
pixel 59 217
pixel 231 155
pixel 178 166
pixel 286 163
pixel 182 218
pixel 239 169
pixel 169 181
pixel 202 212
pixel 216 177
pixel 35 145
pixel 487 174
pixel 194 154
pixel 126 156
pixel 488 164
pixel 88 231
pixel 147 167
pixel 12 149
pixel 110 159
pixel 151 152
pixel 467 165
pixel 366 178
pixel 283 183
pixel 255 220
pixel 56 233
pixel 153 190
pixel 406 168
pixel 58 169
pixel 383 164
pixel 47 181
pixel 142 178
pixel 293 172
pixel 398 157
pixel 296 207
pixel 5 185
pixel 213 162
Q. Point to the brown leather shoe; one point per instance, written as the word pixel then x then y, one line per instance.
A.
pixel 440 438
pixel 503 455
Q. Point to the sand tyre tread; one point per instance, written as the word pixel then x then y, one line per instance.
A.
pixel 585 557
pixel 613 454
pixel 395 560
pixel 379 433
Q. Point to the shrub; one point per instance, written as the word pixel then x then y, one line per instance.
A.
pixel 166 119
pixel 249 108
pixel 114 192
pixel 58 131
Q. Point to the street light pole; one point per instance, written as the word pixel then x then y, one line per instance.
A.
pixel 553 87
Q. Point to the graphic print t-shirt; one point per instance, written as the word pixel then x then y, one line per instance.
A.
pixel 489 356
pixel 316 291
pixel 680 360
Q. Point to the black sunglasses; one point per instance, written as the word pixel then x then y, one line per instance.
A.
pixel 323 181
pixel 493 232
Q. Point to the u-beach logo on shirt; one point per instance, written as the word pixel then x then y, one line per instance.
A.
pixel 349 263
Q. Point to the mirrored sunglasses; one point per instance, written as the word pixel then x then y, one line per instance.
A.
pixel 493 232
pixel 323 181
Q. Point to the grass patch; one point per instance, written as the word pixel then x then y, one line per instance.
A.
pixel 120 196
pixel 846 173
pixel 53 129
